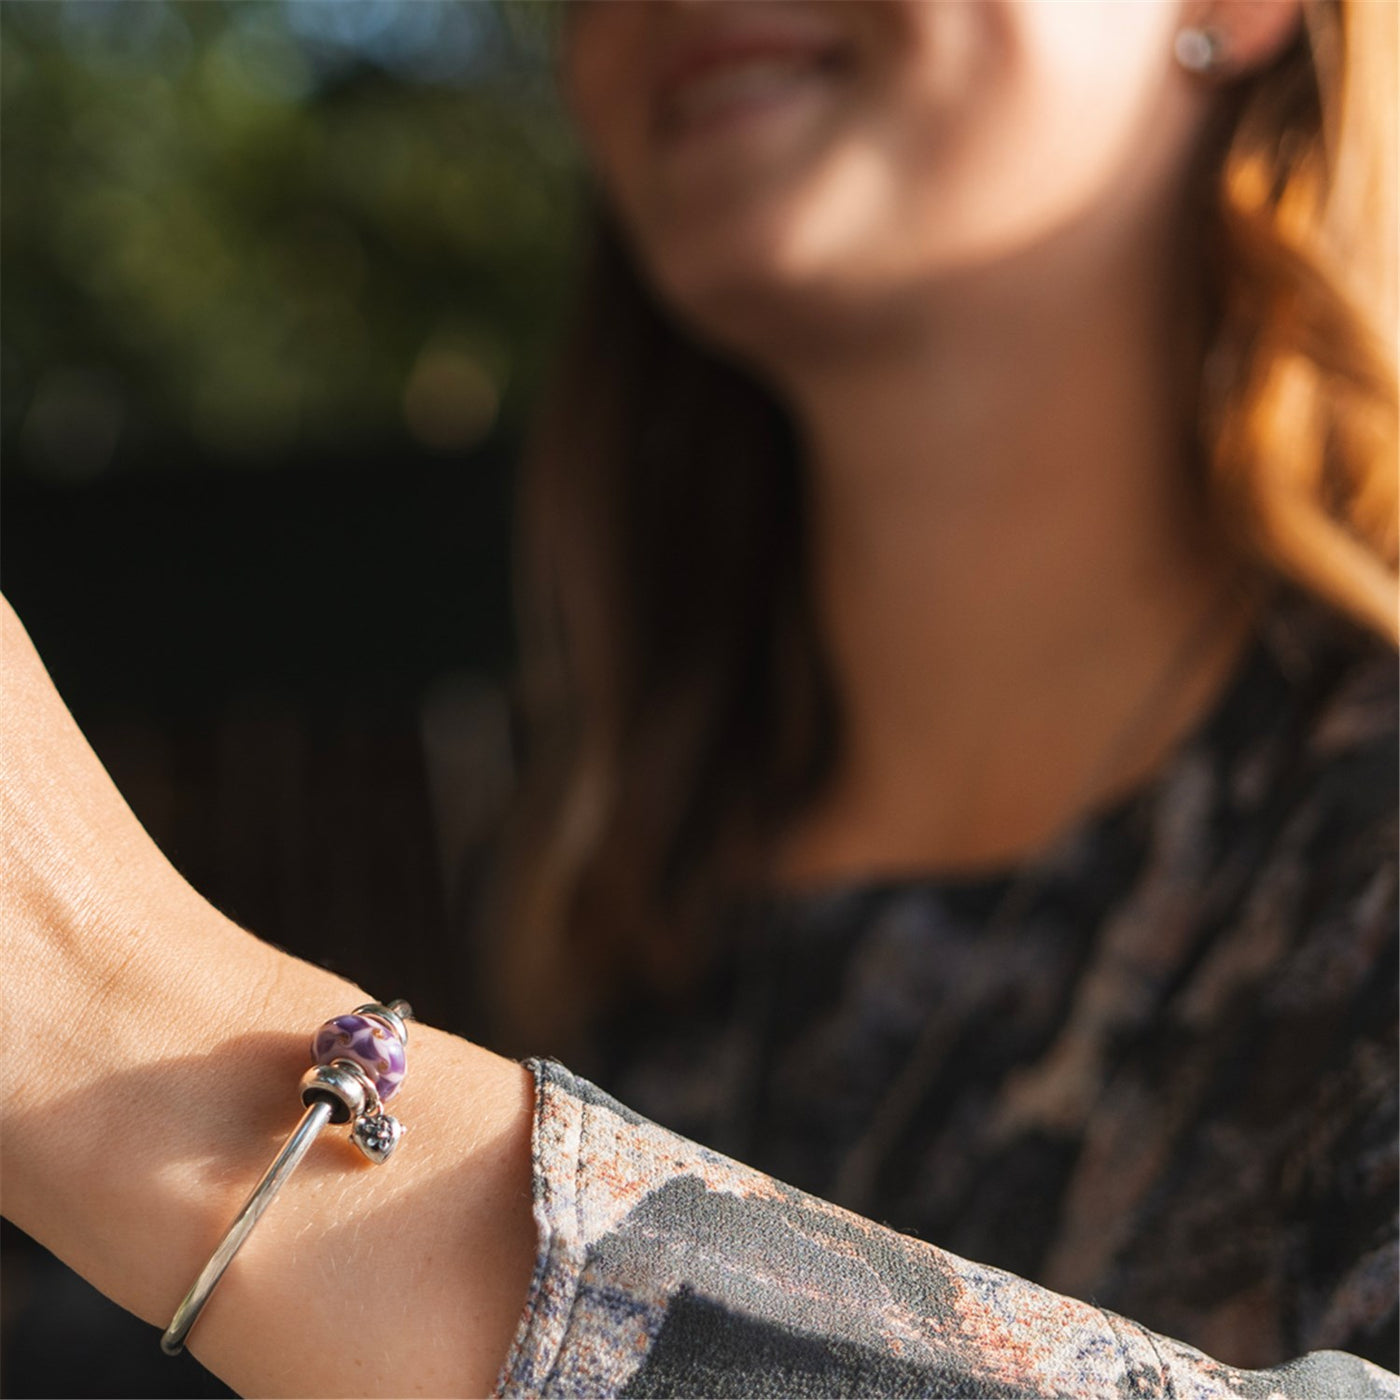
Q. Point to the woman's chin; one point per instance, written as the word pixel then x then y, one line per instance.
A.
pixel 740 304
pixel 765 259
pixel 765 296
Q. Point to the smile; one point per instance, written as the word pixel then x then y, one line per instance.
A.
pixel 733 77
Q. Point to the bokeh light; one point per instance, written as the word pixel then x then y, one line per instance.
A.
pixel 256 217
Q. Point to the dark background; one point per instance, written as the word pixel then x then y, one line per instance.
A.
pixel 278 283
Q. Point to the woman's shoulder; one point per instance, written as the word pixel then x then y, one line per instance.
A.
pixel 1337 784
pixel 1353 673
pixel 1306 832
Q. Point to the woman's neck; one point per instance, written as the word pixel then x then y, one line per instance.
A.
pixel 1006 554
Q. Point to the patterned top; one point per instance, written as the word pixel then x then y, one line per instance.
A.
pixel 1167 1086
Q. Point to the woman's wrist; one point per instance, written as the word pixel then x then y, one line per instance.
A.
pixel 163 1048
pixel 143 1131
pixel 411 1276
pixel 148 1092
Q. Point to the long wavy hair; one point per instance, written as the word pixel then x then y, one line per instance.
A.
pixel 679 709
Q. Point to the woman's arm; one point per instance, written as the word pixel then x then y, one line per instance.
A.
pixel 161 1052
pixel 156 1050
pixel 668 1269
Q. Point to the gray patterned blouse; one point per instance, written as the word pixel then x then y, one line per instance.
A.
pixel 1166 1091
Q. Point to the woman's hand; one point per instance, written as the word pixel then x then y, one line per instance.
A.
pixel 159 1048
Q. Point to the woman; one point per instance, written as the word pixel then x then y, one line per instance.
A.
pixel 977 604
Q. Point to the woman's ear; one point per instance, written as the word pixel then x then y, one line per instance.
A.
pixel 1227 39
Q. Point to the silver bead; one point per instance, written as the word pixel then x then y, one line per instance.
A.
pixel 395 1016
pixel 372 1104
pixel 335 1083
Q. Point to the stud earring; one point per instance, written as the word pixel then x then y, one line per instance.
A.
pixel 1199 50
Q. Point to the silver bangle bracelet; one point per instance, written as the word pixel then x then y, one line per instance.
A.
pixel 358 1062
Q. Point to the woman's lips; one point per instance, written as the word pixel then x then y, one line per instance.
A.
pixel 727 78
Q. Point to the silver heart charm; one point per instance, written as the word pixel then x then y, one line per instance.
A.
pixel 377 1135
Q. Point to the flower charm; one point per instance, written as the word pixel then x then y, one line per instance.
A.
pixel 377 1136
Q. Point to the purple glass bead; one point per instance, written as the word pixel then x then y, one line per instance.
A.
pixel 367 1041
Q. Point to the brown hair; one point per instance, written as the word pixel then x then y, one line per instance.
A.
pixel 680 709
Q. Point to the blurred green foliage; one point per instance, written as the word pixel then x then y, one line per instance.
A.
pixel 268 230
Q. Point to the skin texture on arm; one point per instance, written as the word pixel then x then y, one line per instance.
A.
pixel 162 1048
